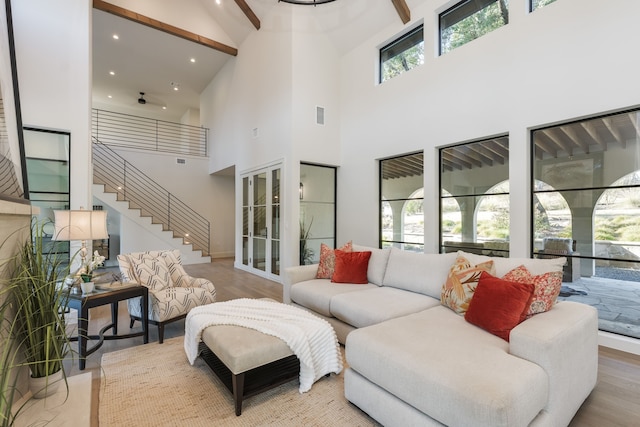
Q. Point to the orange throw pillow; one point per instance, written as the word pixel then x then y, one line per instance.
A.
pixel 461 283
pixel 499 305
pixel 328 260
pixel 351 267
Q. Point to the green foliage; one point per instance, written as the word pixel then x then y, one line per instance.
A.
pixel 306 253
pixel 41 304
pixel 404 61
pixel 482 22
pixel 618 228
pixel 32 307
pixel 414 207
pixel 541 3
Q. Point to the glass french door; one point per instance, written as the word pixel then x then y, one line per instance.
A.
pixel 261 203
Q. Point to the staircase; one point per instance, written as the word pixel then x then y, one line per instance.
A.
pixel 149 207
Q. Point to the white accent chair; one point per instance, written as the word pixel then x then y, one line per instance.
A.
pixel 172 292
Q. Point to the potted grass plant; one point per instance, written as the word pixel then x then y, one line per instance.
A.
pixel 40 305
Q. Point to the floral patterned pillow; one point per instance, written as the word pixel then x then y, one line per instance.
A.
pixel 461 283
pixel 328 260
pixel 547 287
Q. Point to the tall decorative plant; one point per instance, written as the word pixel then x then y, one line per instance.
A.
pixel 32 318
pixel 306 253
pixel 41 303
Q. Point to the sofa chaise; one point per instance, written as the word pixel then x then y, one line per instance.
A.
pixel 414 361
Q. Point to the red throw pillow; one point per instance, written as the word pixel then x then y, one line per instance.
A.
pixel 328 260
pixel 351 267
pixel 499 305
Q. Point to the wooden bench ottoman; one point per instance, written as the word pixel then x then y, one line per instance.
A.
pixel 247 361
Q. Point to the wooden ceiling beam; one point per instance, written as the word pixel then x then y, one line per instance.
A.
pixel 162 26
pixel 572 134
pixel 614 131
pixel 633 118
pixel 246 9
pixel 460 154
pixel 541 142
pixel 403 10
pixel 450 156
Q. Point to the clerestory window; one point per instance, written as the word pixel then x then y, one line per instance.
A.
pixel 402 54
pixel 469 20
pixel 537 4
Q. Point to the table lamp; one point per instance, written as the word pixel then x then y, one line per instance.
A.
pixel 80 225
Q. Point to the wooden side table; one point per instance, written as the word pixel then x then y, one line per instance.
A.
pixel 84 302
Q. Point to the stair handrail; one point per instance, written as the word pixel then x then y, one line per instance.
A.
pixel 143 133
pixel 132 185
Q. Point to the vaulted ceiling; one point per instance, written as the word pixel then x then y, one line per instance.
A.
pixel 153 56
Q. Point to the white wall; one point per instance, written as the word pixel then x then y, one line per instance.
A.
pixel 568 60
pixel 54 67
pixel 208 195
pixel 261 108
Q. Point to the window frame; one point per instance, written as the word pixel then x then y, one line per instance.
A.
pixel 459 6
pixel 382 200
pixel 403 38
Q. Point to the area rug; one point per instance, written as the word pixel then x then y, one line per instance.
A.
pixel 154 385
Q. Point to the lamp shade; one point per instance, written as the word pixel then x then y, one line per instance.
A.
pixel 80 225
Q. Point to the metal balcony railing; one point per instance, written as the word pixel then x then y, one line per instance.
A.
pixel 131 185
pixel 123 130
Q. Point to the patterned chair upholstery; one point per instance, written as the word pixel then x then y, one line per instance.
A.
pixel 172 292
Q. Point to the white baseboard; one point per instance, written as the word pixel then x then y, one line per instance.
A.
pixel 619 342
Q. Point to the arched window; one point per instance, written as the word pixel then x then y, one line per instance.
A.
pixel 401 202
pixel 474 197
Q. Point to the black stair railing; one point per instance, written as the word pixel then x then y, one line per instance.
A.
pixel 143 193
pixel 124 130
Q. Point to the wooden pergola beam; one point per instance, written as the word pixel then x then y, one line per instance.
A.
pixel 167 28
pixel 403 10
pixel 242 4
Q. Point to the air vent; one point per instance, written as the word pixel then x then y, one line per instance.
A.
pixel 319 115
pixel 181 161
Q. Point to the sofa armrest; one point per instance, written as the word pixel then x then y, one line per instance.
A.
pixel 564 342
pixel 293 275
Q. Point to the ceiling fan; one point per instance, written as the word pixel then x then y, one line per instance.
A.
pixel 149 101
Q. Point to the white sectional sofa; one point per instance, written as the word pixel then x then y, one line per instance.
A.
pixel 415 362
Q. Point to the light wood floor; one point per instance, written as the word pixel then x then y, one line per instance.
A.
pixel 614 402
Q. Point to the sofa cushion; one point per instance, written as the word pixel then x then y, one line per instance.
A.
pixel 547 287
pixel 504 265
pixel 328 260
pixel 458 374
pixel 461 282
pixel 377 263
pixel 418 272
pixel 373 306
pixel 499 305
pixel 316 294
pixel 351 267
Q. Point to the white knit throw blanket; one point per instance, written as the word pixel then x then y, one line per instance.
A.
pixel 311 338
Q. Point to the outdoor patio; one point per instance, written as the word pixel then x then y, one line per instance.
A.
pixel 617 300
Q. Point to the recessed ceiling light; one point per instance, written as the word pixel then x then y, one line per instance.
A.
pixel 116 37
pixel 218 2
pixel 109 96
pixel 164 107
pixel 113 73
pixel 193 60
